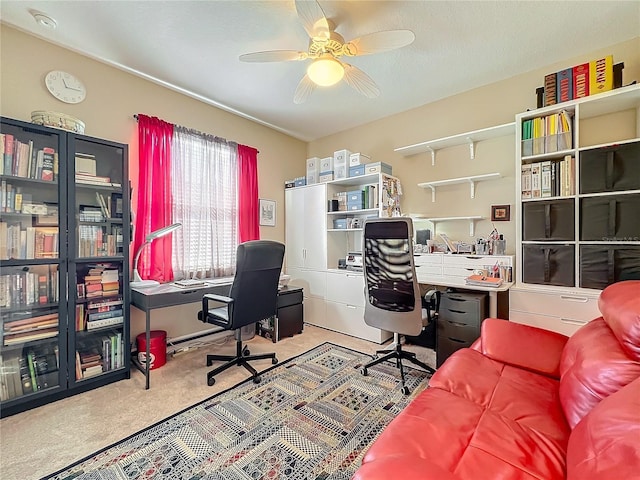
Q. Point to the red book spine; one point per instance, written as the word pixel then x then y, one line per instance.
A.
pixel 581 81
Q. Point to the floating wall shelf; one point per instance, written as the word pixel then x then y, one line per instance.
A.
pixel 470 138
pixel 451 181
pixel 472 221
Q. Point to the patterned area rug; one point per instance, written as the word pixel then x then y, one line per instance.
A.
pixel 311 417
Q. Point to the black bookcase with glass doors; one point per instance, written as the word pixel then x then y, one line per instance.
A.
pixel 64 268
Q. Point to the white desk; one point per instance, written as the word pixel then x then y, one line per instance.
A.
pixel 445 270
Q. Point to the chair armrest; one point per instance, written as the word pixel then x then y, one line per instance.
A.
pixel 523 346
pixel 209 297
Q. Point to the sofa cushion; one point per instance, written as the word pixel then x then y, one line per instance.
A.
pixel 620 308
pixel 605 445
pixel 473 402
pixel 593 366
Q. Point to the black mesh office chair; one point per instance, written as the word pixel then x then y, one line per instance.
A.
pixel 253 297
pixel 393 300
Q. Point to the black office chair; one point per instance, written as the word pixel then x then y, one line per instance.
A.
pixel 393 300
pixel 253 297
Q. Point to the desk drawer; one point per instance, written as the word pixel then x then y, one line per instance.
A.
pixel 564 326
pixel 347 288
pixel 446 346
pixel 459 317
pixel 427 259
pixel 457 331
pixel 476 261
pixel 427 269
pixel 571 305
pixel 286 299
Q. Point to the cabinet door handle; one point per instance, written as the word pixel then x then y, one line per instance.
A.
pixel 457 324
pixel 353 307
pixel 456 311
pixel 572 322
pixel 456 340
pixel 574 299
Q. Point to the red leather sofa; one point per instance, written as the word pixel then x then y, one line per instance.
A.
pixel 526 403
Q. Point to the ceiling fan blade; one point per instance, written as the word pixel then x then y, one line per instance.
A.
pixel 274 56
pixel 360 81
pixel 304 89
pixel 313 19
pixel 378 42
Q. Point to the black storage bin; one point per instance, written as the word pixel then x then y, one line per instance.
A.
pixel 602 265
pixel 610 169
pixel 610 218
pixel 548 220
pixel 549 264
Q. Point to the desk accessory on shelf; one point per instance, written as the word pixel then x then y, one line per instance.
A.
pixel 137 281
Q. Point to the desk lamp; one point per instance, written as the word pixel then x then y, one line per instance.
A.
pixel 137 281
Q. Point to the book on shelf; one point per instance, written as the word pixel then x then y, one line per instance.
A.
pixel 564 85
pixel 550 89
pixel 545 179
pixel 85 164
pixel 536 190
pixel 526 181
pixel 601 75
pixel 104 322
pixel 483 281
pixel 581 80
pixel 48 160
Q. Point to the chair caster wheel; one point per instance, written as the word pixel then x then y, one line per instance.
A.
pixel 257 379
pixel 246 352
pixel 211 381
pixel 274 361
pixel 364 372
pixel 405 390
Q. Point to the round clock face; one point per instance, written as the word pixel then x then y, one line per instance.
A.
pixel 65 87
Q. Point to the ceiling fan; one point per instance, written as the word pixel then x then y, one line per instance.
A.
pixel 325 49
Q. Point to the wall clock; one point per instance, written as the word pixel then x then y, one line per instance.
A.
pixel 65 86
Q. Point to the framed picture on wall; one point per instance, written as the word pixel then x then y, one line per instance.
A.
pixel 500 213
pixel 267 212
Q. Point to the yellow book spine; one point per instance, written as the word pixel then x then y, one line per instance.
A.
pixel 601 75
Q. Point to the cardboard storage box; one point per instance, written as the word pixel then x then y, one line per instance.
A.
pixel 356 171
pixel 289 183
pixel 325 176
pixel 326 164
pixel 313 170
pixel 341 156
pixel 301 181
pixel 340 223
pixel 358 159
pixel 312 177
pixel 377 167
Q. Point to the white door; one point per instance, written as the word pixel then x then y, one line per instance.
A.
pixel 315 227
pixel 294 226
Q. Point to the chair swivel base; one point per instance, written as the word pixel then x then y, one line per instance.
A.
pixel 241 358
pixel 398 354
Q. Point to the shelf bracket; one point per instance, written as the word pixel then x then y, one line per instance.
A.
pixel 472 225
pixel 473 190
pixel 433 193
pixel 433 156
pixel 472 149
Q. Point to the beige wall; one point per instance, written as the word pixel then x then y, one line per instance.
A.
pixel 113 98
pixel 487 106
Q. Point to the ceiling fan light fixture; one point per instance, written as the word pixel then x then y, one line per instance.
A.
pixel 325 71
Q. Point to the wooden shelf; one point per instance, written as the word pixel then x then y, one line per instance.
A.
pixel 471 180
pixel 469 138
pixel 471 219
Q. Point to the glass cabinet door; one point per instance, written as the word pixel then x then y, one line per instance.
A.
pixel 99 267
pixel 32 261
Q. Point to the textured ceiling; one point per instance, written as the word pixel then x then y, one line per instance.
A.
pixel 193 46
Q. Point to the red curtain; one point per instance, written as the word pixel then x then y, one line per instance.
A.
pixel 154 198
pixel 248 220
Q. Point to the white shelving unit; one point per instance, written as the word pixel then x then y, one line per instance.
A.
pixel 471 219
pixel 469 138
pixel 471 180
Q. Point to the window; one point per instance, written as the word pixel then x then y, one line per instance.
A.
pixel 204 199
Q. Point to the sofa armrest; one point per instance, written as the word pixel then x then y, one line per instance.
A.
pixel 523 346
pixel 406 468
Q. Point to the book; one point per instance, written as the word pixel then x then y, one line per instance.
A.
pixel 536 187
pixel 545 179
pixel 581 81
pixel 8 154
pixel 564 85
pixel 550 89
pixel 47 164
pixel 601 75
pixel 483 281
pixel 526 181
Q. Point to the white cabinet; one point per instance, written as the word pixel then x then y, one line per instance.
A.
pixel 577 195
pixel 305 230
pixel 345 307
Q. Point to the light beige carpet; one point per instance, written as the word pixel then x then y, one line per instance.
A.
pixel 45 439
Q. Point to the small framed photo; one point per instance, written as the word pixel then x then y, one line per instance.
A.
pixel 500 213
pixel 267 212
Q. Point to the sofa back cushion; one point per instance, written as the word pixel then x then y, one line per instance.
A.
pixel 604 355
pixel 605 444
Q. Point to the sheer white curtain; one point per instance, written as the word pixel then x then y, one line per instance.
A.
pixel 204 183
